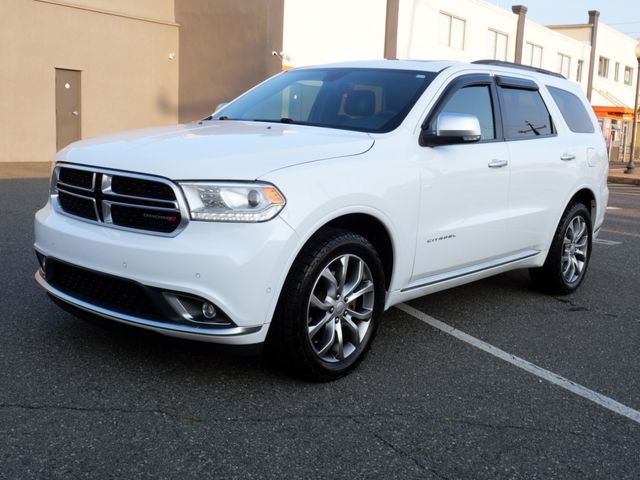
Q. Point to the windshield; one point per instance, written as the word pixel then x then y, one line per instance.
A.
pixel 363 99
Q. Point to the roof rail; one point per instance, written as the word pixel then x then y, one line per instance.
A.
pixel 500 63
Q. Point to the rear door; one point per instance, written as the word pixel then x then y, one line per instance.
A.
pixel 543 163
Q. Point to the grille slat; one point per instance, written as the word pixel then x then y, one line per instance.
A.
pixel 141 188
pixel 144 196
pixel 76 178
pixel 144 218
pixel 76 205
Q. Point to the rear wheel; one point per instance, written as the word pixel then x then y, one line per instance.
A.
pixel 569 254
pixel 329 307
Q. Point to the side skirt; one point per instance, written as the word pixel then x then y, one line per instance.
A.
pixel 454 278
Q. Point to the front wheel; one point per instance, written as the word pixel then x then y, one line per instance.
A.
pixel 329 307
pixel 569 254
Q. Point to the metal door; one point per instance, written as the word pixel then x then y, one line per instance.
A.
pixel 68 117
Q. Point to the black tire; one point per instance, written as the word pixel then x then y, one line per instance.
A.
pixel 289 338
pixel 550 278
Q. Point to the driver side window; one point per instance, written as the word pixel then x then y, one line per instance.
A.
pixel 474 100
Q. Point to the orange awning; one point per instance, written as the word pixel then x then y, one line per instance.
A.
pixel 615 113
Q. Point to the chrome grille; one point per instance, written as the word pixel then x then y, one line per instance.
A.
pixel 118 199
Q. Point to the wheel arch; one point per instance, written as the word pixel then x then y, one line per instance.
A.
pixel 373 230
pixel 585 196
pixel 365 223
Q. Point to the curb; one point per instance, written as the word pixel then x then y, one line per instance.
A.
pixel 624 179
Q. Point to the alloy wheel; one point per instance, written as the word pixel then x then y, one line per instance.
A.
pixel 574 250
pixel 340 308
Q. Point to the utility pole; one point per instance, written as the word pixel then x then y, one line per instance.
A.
pixel 594 17
pixel 391 30
pixel 634 131
pixel 521 11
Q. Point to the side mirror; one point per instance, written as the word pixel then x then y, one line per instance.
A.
pixel 451 129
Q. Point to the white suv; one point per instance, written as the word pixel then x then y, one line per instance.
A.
pixel 297 213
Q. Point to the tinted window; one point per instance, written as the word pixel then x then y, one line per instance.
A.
pixel 525 114
pixel 572 110
pixel 370 100
pixel 474 100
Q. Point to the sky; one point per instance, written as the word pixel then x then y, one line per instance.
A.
pixel 623 15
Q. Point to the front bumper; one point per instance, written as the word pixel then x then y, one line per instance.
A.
pixel 215 335
pixel 237 267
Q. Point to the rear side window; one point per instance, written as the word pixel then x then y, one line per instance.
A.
pixel 525 114
pixel 572 110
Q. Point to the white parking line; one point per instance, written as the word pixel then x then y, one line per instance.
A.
pixel 554 378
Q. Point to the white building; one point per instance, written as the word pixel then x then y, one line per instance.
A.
pixel 466 30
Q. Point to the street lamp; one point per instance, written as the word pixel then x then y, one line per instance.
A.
pixel 631 166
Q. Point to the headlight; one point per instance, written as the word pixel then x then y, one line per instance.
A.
pixel 232 202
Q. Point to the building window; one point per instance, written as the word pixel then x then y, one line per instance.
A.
pixel 628 75
pixel 579 71
pixel 616 72
pixel 533 55
pixel 603 67
pixel 497 45
pixel 564 64
pixel 452 31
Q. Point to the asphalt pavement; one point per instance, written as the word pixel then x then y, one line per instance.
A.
pixel 78 400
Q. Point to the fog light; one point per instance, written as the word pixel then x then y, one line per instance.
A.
pixel 208 310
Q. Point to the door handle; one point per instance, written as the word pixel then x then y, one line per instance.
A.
pixel 567 157
pixel 75 113
pixel 495 163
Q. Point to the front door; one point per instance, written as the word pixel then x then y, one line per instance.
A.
pixel 464 187
pixel 68 118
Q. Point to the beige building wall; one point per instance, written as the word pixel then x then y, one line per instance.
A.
pixel 122 48
pixel 152 9
pixel 225 48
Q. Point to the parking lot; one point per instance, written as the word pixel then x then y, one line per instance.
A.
pixel 81 401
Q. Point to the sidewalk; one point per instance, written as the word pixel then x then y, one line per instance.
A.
pixel 617 175
pixel 9 170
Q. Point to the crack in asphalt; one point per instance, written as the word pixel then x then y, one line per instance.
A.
pixel 399 451
pixel 517 427
pixel 576 307
pixel 355 418
pixel 86 409
pixel 573 306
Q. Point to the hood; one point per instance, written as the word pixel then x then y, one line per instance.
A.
pixel 215 150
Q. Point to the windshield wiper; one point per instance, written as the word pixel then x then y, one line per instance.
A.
pixel 210 117
pixel 273 120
